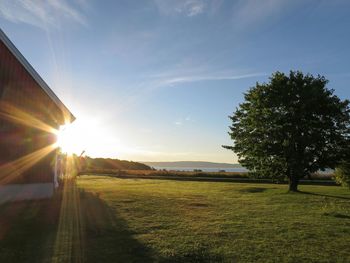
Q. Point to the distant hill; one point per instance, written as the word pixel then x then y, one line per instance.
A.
pixel 192 164
pixel 88 163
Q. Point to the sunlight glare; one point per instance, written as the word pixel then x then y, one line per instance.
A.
pixel 88 136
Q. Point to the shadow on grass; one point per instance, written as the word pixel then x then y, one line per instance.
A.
pixel 28 230
pixel 325 195
pixel 253 190
pixel 224 179
pixel 207 178
pixel 107 237
pixel 28 233
pixel 337 215
pixel 199 254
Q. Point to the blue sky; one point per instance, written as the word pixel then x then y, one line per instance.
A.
pixel 155 80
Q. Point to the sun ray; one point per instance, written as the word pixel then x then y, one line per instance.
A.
pixel 9 171
pixel 14 114
pixel 69 236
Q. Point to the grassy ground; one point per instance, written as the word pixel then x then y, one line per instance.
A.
pixel 169 173
pixel 150 220
pixel 28 230
pixel 139 220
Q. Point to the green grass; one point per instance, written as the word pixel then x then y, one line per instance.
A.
pixel 192 174
pixel 169 221
pixel 28 230
pixel 140 220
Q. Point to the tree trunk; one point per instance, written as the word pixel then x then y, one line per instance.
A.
pixel 293 183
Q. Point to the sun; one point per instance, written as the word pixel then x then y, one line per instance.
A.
pixel 76 137
pixel 67 139
pixel 87 136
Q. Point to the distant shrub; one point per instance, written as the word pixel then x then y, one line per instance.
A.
pixel 342 174
pixel 197 170
pixel 276 176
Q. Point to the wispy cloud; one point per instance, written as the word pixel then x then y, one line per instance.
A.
pixel 178 123
pixel 179 79
pixel 182 121
pixel 188 8
pixel 253 12
pixel 43 14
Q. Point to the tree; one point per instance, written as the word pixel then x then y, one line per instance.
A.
pixel 290 127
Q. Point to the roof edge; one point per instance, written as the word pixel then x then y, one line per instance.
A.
pixel 35 75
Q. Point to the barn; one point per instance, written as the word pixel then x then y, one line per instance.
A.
pixel 30 115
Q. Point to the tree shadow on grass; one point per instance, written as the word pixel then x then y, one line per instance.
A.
pixel 198 254
pixel 325 195
pixel 337 215
pixel 253 190
pixel 107 237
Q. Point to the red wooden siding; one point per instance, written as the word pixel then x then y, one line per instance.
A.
pixel 20 92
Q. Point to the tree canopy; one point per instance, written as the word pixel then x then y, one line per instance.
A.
pixel 290 127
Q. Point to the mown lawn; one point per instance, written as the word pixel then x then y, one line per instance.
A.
pixel 135 220
pixel 105 219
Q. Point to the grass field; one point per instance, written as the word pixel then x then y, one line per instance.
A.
pixel 140 220
pixel 170 173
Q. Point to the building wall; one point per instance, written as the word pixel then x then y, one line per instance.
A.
pixel 27 118
pixel 18 88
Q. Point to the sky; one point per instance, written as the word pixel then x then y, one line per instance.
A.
pixel 156 80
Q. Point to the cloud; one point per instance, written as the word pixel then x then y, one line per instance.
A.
pixel 41 13
pixel 253 12
pixel 179 79
pixel 188 8
pixel 178 123
pixel 183 121
pixel 188 118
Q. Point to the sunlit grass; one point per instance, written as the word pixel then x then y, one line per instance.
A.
pixel 68 243
pixel 136 220
pixel 200 222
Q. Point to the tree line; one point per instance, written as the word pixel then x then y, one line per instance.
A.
pixel 88 164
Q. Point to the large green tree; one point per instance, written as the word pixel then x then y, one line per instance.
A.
pixel 290 127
